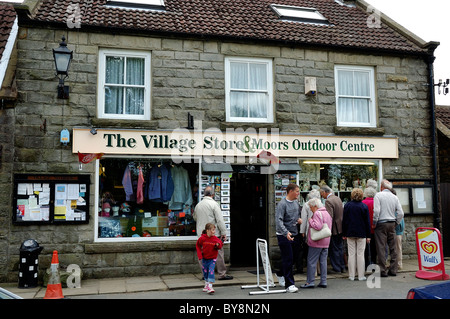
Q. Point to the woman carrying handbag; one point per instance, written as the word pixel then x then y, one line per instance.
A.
pixel 318 249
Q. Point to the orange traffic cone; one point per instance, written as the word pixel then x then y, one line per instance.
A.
pixel 54 288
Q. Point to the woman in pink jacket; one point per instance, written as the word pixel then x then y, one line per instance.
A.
pixel 317 250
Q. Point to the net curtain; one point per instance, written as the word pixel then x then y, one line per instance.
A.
pixel 354 96
pixel 124 89
pixel 248 94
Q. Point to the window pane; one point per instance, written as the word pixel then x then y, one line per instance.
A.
pixel 238 75
pixel 362 83
pixel 113 100
pixel 353 110
pixel 258 105
pixel 135 71
pixel 403 196
pixel 345 82
pixel 361 110
pixel 258 76
pixel 238 104
pixel 135 101
pixel 345 109
pixel 114 70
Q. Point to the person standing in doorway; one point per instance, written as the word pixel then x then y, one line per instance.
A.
pixel 334 206
pixel 387 213
pixel 208 211
pixel 287 216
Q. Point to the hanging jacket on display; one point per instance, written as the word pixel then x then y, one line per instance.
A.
pixel 127 183
pixel 182 194
pixel 140 188
pixel 160 184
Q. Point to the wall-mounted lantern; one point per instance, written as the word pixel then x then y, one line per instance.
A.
pixel 62 57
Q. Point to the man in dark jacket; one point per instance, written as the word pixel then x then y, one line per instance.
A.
pixel 335 208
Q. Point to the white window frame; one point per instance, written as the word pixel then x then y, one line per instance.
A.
pixel 268 91
pixel 371 97
pixel 103 53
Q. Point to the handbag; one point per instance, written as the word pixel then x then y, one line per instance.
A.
pixel 320 234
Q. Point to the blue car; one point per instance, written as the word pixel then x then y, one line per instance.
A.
pixel 439 290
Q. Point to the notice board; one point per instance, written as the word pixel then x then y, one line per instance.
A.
pixel 51 199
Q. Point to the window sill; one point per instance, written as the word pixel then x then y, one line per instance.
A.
pixel 113 123
pixel 375 131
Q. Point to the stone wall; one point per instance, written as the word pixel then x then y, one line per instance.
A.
pixel 188 76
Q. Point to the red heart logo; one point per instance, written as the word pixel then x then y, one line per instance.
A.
pixel 429 247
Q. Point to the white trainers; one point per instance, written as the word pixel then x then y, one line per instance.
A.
pixel 205 289
pixel 281 280
pixel 210 290
pixel 292 288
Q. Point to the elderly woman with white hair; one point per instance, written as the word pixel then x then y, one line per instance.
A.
pixel 318 249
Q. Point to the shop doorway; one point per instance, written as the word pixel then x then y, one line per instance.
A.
pixel 248 210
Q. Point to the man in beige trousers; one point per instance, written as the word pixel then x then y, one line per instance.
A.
pixel 208 211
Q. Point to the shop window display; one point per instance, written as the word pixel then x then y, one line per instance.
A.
pixel 341 176
pixel 146 198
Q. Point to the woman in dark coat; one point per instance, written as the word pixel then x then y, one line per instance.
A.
pixel 356 229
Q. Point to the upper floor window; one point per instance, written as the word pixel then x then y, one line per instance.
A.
pixel 124 84
pixel 248 90
pixel 355 96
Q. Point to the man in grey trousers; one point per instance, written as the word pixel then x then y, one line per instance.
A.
pixel 387 213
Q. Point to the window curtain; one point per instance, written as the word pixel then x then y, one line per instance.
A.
pixel 354 95
pixel 121 71
pixel 247 80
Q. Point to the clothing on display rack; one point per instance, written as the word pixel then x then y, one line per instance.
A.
pixel 182 194
pixel 160 184
pixel 140 187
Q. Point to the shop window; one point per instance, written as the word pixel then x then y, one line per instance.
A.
pixel 341 176
pixel 146 198
pixel 416 197
pixel 355 96
pixel 248 90
pixel 124 84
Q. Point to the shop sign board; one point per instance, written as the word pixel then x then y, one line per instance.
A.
pixel 233 142
pixel 430 254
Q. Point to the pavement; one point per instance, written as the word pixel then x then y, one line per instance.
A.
pixel 241 276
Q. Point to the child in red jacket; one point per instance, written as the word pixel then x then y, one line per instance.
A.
pixel 208 246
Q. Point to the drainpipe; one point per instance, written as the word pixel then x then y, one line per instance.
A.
pixel 430 59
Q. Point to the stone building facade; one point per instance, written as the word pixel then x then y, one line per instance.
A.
pixel 188 76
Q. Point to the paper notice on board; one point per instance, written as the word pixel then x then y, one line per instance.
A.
pixel 73 191
pixel 61 191
pixel 421 204
pixel 420 196
pixel 22 189
pixel 60 212
pixel 32 201
pixel 44 198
